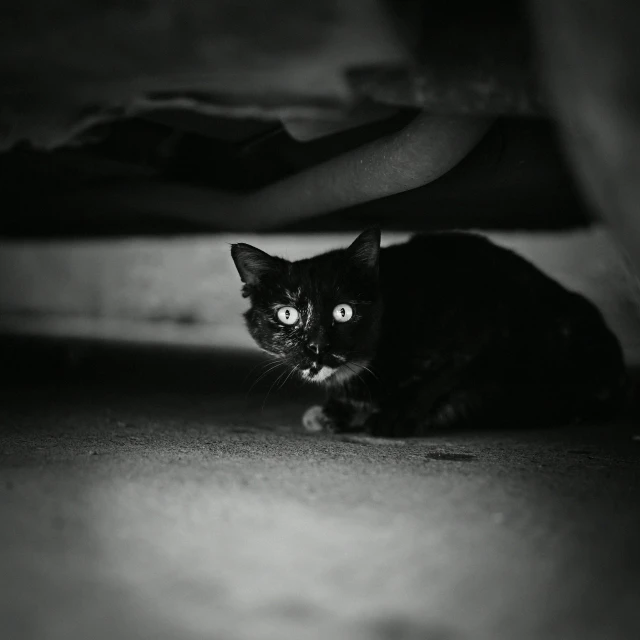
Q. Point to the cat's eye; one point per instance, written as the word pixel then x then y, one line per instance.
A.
pixel 343 313
pixel 288 315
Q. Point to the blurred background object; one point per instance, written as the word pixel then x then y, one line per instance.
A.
pixel 164 118
pixel 134 121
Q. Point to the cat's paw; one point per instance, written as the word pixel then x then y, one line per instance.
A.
pixel 315 420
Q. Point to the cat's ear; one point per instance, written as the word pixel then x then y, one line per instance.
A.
pixel 365 249
pixel 253 264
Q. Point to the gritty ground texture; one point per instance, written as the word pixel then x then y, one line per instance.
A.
pixel 159 500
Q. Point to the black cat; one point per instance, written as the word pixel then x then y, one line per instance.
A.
pixel 446 330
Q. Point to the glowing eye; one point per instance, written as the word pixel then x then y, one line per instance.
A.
pixel 342 313
pixel 288 315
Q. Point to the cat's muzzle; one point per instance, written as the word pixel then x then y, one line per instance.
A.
pixel 317 373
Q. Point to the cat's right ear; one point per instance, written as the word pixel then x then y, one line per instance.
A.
pixel 365 249
pixel 252 263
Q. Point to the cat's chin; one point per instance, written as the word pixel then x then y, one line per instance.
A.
pixel 327 375
pixel 318 375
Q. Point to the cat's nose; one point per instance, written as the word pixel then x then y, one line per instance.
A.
pixel 316 347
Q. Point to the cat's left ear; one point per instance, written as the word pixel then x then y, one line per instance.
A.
pixel 252 263
pixel 365 249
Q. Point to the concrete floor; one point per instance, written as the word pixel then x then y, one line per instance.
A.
pixel 145 496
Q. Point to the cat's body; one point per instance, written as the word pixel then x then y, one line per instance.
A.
pixel 447 330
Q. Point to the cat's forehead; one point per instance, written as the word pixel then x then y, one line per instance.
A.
pixel 310 292
pixel 306 281
pixel 292 293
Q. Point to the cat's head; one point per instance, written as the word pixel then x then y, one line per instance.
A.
pixel 320 315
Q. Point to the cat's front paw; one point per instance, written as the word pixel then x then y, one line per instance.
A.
pixel 316 420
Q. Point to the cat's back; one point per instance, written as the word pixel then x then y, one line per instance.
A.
pixel 461 261
pixel 457 249
pixel 452 289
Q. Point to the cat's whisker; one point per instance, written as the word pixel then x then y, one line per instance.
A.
pixel 367 369
pixel 285 380
pixel 263 375
pixel 259 366
pixel 267 371
pixel 366 386
pixel 273 384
